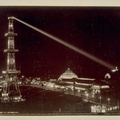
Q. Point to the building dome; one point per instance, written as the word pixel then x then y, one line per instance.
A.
pixel 68 74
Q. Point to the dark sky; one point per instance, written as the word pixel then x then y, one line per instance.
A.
pixel 92 29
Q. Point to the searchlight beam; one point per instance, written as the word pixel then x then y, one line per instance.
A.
pixel 72 47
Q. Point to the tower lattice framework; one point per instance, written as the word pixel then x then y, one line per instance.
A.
pixel 11 91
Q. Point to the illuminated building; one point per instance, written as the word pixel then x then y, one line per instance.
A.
pixel 70 83
pixel 69 78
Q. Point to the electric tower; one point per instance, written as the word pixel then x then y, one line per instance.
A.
pixel 11 91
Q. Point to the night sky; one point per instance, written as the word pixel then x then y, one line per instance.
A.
pixel 95 30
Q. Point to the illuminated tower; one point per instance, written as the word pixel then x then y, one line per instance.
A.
pixel 11 65
pixel 11 91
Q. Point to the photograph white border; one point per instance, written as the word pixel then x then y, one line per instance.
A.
pixel 60 3
pixel 86 3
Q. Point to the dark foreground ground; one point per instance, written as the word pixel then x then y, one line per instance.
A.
pixel 44 102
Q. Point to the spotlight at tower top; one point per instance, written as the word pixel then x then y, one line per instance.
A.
pixel 115 70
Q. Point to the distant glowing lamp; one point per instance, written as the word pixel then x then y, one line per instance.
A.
pixel 93 95
pixel 108 101
pixel 1 76
pixel 4 72
pixel 87 94
pixel 100 99
pixel 78 90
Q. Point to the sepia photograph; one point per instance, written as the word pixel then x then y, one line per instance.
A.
pixel 60 61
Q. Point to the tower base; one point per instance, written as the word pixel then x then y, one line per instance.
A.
pixel 5 98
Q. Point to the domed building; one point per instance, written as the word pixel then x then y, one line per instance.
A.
pixel 68 74
pixel 70 83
